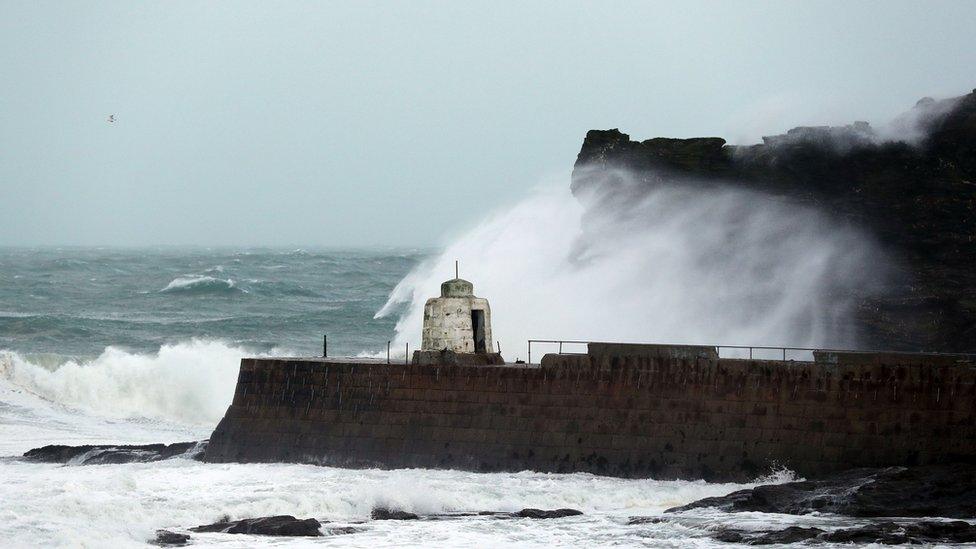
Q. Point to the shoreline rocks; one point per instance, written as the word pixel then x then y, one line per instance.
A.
pixel 546 514
pixel 278 525
pixel 886 533
pixel 923 492
pixel 382 513
pixel 103 454
pixel 165 538
pixel 947 491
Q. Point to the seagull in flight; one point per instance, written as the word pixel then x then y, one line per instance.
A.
pixel 111 118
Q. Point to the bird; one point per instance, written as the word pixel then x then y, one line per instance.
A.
pixel 111 118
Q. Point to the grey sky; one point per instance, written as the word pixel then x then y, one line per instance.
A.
pixel 255 123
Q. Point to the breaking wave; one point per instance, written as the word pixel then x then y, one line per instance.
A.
pixel 697 265
pixel 191 382
pixel 196 284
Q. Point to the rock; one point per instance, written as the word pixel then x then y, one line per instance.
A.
pixel 547 514
pixel 915 199
pixel 279 525
pixel 729 536
pixel 792 534
pixel 646 520
pixel 112 454
pixel 165 538
pixel 887 533
pixel 382 513
pixel 342 530
pixel 890 533
pixel 925 491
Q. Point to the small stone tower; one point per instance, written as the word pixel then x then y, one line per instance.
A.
pixel 457 321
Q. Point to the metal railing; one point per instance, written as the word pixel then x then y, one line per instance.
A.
pixel 742 351
pixel 560 342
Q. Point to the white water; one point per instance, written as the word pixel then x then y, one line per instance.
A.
pixel 708 266
pixel 190 383
pixel 122 505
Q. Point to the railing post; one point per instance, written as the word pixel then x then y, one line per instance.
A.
pixel 529 361
pixel 325 345
pixel 387 352
pixel 406 354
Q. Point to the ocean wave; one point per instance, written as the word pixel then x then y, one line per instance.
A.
pixel 280 288
pixel 190 382
pixel 196 284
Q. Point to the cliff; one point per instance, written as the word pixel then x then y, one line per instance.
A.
pixel 916 196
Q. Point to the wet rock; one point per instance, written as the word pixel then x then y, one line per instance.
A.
pixel 547 514
pixel 165 538
pixel 729 536
pixel 646 520
pixel 792 534
pixel 114 454
pixel 929 491
pixel 890 533
pixel 279 525
pixel 382 513
pixel 342 530
pixel 887 533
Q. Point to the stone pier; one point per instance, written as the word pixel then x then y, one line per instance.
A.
pixel 621 410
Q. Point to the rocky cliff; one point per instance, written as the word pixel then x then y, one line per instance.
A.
pixel 913 188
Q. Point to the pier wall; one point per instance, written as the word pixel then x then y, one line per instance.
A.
pixel 686 415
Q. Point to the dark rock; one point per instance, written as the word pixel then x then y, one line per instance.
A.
pixel 112 454
pixel 382 513
pixel 342 530
pixel 166 538
pixel 729 536
pixel 890 533
pixel 792 534
pixel 925 491
pixel 646 520
pixel 547 514
pixel 915 199
pixel 280 525
pixel 887 533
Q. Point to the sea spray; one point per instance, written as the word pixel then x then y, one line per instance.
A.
pixel 712 265
pixel 190 382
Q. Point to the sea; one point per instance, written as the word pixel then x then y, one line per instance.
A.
pixel 127 345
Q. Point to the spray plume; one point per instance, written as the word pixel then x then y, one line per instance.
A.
pixel 676 264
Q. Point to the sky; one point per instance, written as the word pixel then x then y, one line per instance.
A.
pixel 339 124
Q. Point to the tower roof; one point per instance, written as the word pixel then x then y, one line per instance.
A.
pixel 457 288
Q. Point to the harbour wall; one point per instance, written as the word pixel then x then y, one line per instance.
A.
pixel 629 411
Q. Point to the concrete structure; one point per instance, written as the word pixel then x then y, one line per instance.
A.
pixel 631 411
pixel 457 321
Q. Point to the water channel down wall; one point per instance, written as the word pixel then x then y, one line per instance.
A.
pixel 619 411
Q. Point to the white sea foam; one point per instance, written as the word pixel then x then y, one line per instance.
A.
pixel 190 382
pixel 676 265
pixel 122 505
pixel 106 400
